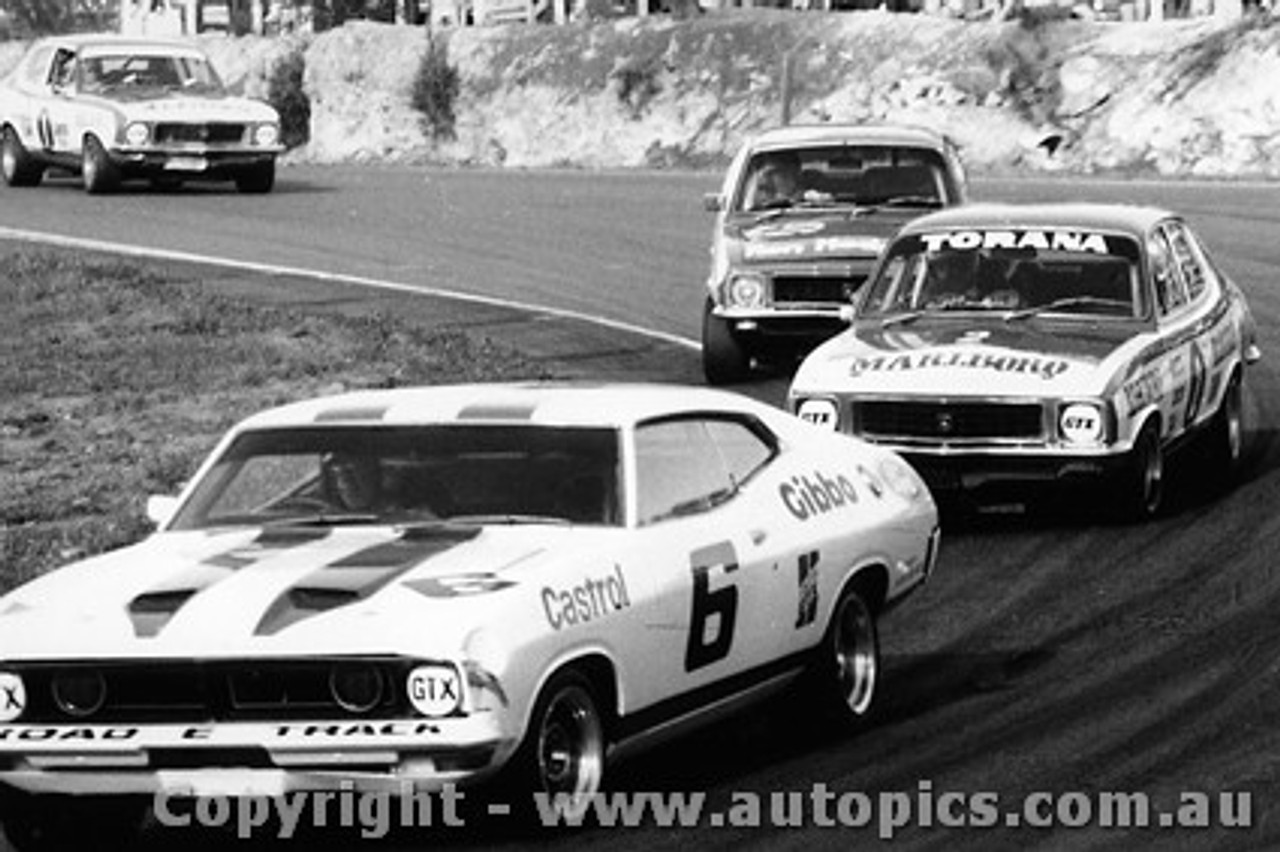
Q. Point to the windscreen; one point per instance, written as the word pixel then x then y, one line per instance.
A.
pixel 408 474
pixel 1015 272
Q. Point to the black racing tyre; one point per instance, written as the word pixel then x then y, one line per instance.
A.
pixel 724 359
pixel 16 163
pixel 561 760
pixel 101 175
pixel 1226 433
pixel 1142 482
pixel 55 823
pixel 845 672
pixel 257 179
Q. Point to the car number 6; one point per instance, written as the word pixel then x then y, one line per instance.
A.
pixel 714 610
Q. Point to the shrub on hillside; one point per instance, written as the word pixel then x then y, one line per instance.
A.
pixel 435 91
pixel 286 94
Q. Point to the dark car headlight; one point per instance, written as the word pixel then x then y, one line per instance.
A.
pixel 79 692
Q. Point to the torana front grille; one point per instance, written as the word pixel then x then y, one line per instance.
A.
pixel 942 422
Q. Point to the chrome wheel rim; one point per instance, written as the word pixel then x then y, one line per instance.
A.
pixel 854 643
pixel 571 744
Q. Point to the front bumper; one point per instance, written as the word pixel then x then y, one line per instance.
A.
pixel 782 330
pixel 989 471
pixel 258 758
pixel 192 162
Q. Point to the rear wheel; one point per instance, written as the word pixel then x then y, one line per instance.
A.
pixel 724 359
pixel 100 174
pixel 846 671
pixel 1226 433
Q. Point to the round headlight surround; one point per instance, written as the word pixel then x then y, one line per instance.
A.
pixel 357 687
pixel 137 134
pixel 266 135
pixel 819 411
pixel 745 290
pixel 79 693
pixel 1082 423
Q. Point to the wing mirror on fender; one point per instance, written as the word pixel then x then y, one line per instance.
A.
pixel 712 203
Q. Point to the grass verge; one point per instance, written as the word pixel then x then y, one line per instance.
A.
pixel 116 381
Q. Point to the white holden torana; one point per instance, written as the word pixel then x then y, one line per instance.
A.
pixel 513 582
pixel 1002 345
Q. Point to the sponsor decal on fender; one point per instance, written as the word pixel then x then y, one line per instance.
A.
pixel 1042 240
pixel 806 497
pixel 944 359
pixel 592 599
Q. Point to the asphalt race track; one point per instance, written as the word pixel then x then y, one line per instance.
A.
pixel 1054 653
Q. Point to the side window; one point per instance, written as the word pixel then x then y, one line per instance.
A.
pixel 678 470
pixel 1170 292
pixel 743 450
pixel 1187 260
pixel 62 72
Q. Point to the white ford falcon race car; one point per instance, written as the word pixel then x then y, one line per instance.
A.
pixel 112 108
pixel 446 585
pixel 1005 344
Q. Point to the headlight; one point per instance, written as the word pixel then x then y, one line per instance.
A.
pixel 819 412
pixel 266 135
pixel 137 134
pixel 745 290
pixel 434 689
pixel 79 693
pixel 901 479
pixel 356 687
pixel 1082 423
pixel 13 696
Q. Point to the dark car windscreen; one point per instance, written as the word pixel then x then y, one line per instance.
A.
pixel 456 472
pixel 1018 273
pixel 844 175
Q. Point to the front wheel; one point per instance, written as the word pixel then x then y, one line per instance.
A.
pixel 99 172
pixel 1142 485
pixel 561 760
pixel 846 671
pixel 17 164
pixel 257 179
pixel 724 359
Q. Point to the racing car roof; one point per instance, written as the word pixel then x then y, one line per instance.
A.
pixel 90 42
pixel 549 403
pixel 1119 218
pixel 799 135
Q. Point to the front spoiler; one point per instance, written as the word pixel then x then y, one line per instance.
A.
pixel 252 758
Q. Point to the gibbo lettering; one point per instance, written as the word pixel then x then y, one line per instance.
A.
pixel 807 497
